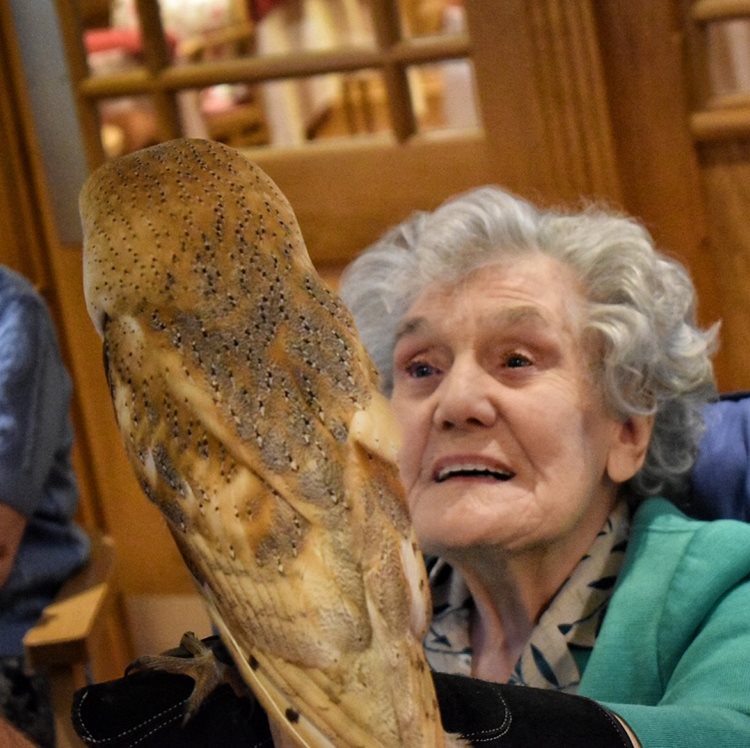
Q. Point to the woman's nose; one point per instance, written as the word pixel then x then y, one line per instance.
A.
pixel 465 397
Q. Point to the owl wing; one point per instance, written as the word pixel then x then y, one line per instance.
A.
pixel 250 413
pixel 304 583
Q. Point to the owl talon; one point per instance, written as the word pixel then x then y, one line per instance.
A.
pixel 194 645
pixel 201 665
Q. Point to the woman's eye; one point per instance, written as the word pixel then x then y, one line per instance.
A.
pixel 517 361
pixel 419 369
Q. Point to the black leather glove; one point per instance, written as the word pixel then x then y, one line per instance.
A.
pixel 495 714
pixel 146 709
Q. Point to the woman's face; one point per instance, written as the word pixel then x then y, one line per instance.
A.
pixel 506 441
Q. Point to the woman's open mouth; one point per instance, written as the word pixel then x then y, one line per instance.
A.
pixel 471 470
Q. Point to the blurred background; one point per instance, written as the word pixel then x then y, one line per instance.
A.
pixel 363 111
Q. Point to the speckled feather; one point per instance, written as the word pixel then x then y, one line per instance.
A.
pixel 250 413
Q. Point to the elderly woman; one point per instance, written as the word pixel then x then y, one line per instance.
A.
pixel 548 376
pixel 549 379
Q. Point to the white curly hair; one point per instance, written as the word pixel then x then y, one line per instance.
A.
pixel 654 359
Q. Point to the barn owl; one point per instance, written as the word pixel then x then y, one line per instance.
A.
pixel 250 413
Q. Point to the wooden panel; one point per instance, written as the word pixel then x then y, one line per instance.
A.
pixel 726 170
pixel 22 246
pixel 571 86
pixel 542 97
pixel 720 127
pixel 726 116
pixel 658 164
pixel 346 194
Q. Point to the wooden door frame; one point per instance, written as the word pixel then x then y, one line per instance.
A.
pixel 32 247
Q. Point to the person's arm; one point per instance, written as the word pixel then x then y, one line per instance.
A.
pixel 12 525
pixel 705 694
pixel 19 348
pixel 690 663
pixel 31 411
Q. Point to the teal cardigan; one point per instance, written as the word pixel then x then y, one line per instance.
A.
pixel 673 655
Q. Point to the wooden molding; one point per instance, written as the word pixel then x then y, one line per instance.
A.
pixel 721 124
pixel 546 98
pixel 710 11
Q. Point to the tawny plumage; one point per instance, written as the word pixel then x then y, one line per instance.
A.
pixel 250 413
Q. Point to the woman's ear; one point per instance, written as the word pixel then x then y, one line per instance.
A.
pixel 629 447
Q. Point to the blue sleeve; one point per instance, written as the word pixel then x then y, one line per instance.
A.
pixel 720 478
pixel 33 402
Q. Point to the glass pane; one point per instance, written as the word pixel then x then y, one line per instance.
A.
pixel 230 113
pixel 431 17
pixel 282 112
pixel 112 51
pixel 287 112
pixel 324 107
pixel 194 29
pixel 444 95
pixel 729 56
pixel 127 124
pixel 289 26
pixel 184 20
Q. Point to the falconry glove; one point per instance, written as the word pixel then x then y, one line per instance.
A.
pixel 147 709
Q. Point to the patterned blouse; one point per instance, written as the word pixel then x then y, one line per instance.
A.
pixel 555 655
